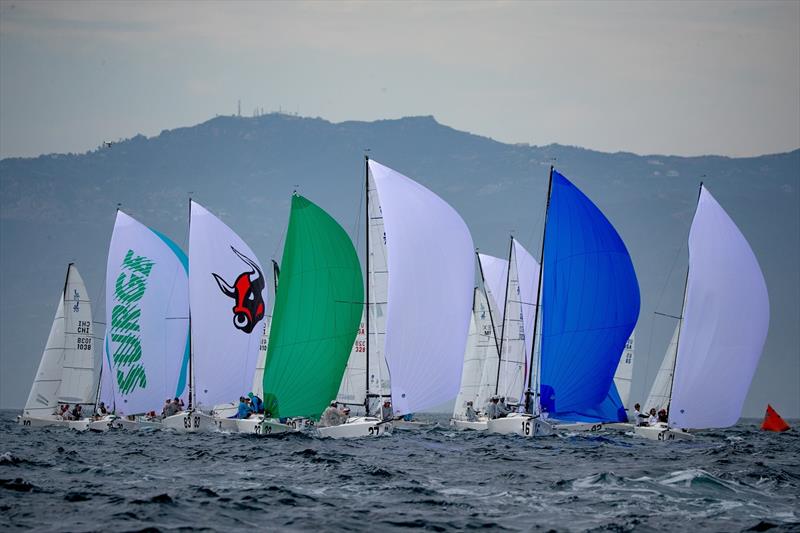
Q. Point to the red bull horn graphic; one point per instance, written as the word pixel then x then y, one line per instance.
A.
pixel 246 293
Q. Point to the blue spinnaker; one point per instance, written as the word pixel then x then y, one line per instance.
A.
pixel 609 410
pixel 590 303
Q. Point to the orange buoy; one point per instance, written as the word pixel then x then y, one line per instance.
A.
pixel 773 421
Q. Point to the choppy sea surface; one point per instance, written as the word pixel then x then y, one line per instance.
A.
pixel 739 479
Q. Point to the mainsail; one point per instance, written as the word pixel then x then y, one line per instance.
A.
pixel 353 389
pixel 590 303
pixel 80 374
pixel 480 344
pixel 316 316
pixel 520 301
pixel 227 299
pixel 146 349
pixel 429 292
pixel 725 322
pixel 659 392
pixel 63 344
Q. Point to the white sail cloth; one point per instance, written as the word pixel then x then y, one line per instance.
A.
pixel 725 322
pixel 495 275
pixel 227 299
pixel 624 374
pixel 80 374
pixel 659 392
pixel 147 319
pixel 430 291
pixel 480 344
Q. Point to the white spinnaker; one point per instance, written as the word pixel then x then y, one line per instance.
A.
pixel 495 274
pixel 147 318
pixel 480 343
pixel 658 397
pixel 43 398
pixel 624 374
pixel 353 388
pixel 224 356
pixel 80 374
pixel 725 322
pixel 258 376
pixel 430 291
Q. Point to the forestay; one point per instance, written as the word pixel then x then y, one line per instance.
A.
pixel 725 322
pixel 590 303
pixel 146 348
pixel 317 312
pixel 227 298
pixel 80 374
pixel 430 291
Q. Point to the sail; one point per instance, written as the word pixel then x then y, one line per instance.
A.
pixel 658 397
pixel 43 397
pixel 353 388
pixel 227 293
pixel 520 306
pixel 430 291
pixel 590 303
pixel 624 374
pixel 80 373
pixel 378 280
pixel 146 348
pixel 725 322
pixel 480 343
pixel 317 312
pixel 494 272
pixel 258 376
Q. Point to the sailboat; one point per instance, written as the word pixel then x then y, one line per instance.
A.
pixel 589 301
pixel 419 284
pixel 226 307
pixel 721 332
pixel 146 346
pixel 69 371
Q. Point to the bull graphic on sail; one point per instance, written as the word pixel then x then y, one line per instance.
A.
pixel 246 293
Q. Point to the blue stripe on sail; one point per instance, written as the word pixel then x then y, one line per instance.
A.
pixel 185 262
pixel 590 303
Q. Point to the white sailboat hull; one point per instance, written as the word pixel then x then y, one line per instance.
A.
pixel 113 422
pixel 463 425
pixel 355 428
pixel 520 424
pixel 662 432
pixel 579 427
pixel 189 422
pixel 258 425
pixel 34 422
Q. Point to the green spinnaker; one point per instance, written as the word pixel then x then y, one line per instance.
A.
pixel 316 316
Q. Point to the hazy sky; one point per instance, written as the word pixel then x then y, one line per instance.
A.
pixel 675 77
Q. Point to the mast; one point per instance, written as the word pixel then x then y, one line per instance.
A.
pixel 505 309
pixel 680 319
pixel 528 392
pixel 488 302
pixel 191 350
pixel 276 272
pixel 366 258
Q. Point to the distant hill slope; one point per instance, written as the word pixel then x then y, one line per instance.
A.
pixel 60 208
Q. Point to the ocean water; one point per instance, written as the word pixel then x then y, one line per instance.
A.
pixel 435 479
